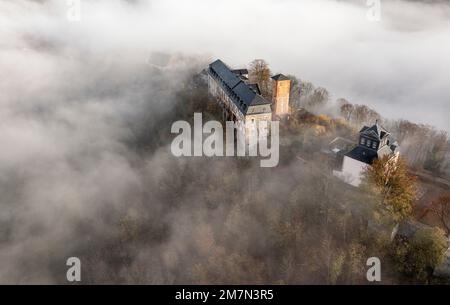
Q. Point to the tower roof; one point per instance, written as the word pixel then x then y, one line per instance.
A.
pixel 377 131
pixel 279 77
pixel 365 153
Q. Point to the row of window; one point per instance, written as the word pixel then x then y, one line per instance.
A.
pixel 369 143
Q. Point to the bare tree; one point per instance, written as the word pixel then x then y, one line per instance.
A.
pixel 259 73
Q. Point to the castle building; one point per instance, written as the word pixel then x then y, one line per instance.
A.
pixel 374 142
pixel 241 101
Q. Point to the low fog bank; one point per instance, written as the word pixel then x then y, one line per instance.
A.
pixel 397 65
pixel 74 117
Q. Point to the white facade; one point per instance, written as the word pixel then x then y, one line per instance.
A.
pixel 352 171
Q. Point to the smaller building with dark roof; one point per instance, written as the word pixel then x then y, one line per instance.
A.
pixel 279 77
pixel 375 142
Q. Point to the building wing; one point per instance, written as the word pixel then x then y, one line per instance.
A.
pixel 242 94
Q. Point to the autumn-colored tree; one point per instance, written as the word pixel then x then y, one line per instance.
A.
pixel 441 207
pixel 439 145
pixel 393 185
pixel 259 73
pixel 341 101
pixel 222 267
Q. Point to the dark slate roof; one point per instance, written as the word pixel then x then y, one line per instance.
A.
pixel 376 131
pixel 255 88
pixel 225 74
pixel 242 95
pixel 362 154
pixel 240 71
pixel 280 77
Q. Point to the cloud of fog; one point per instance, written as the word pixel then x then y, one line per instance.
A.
pixel 73 93
pixel 398 65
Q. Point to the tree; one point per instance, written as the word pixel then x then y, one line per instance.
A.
pixel 373 116
pixel 418 257
pixel 307 88
pixel 361 114
pixel 221 267
pixel 294 96
pixel 389 180
pixel 347 110
pixel 439 146
pixel 259 73
pixel 441 207
pixel 423 146
pixel 356 262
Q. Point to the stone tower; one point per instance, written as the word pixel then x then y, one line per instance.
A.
pixel 281 89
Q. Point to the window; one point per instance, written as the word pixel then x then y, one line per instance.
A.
pixel 374 145
pixel 368 143
pixel 363 141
